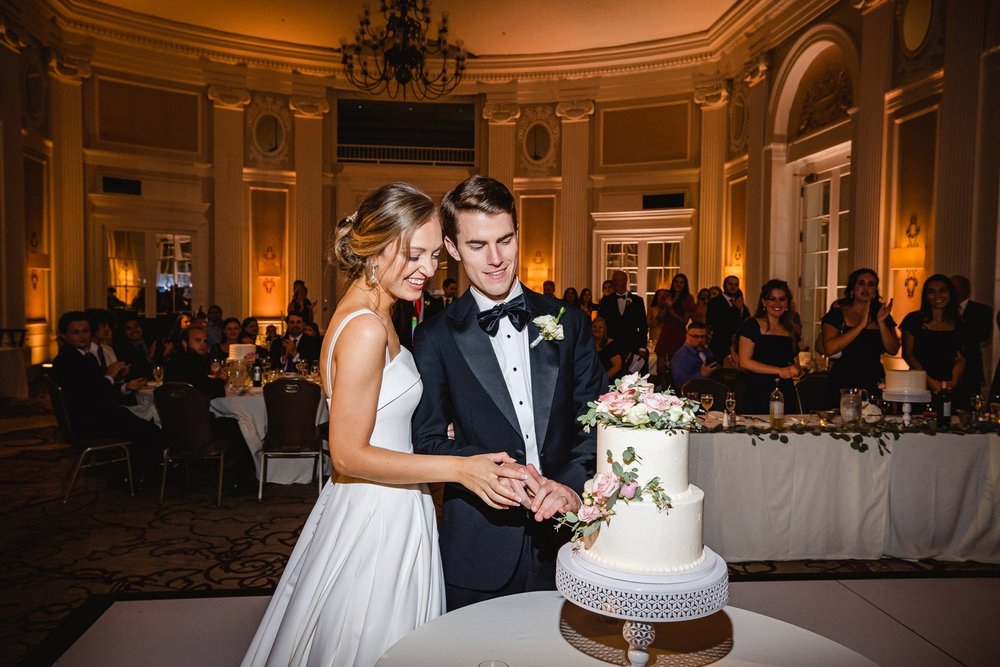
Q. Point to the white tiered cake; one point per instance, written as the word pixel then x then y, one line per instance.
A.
pixel 905 381
pixel 641 538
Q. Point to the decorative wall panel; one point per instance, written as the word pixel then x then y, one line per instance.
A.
pixel 268 226
pixel 537 226
pixel 641 135
pixel 146 116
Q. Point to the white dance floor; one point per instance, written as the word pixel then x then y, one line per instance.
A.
pixel 927 622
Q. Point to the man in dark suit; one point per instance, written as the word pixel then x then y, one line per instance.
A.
pixel 294 345
pixel 482 377
pixel 133 350
pixel 93 395
pixel 450 287
pixel 725 314
pixel 625 316
pixel 977 328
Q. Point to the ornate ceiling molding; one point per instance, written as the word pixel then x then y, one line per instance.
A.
pixel 68 67
pixel 308 106
pixel 501 113
pixel 11 35
pixel 574 111
pixel 713 95
pixel 229 98
pixel 755 70
pixel 865 6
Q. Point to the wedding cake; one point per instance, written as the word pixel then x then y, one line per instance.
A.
pixel 640 514
pixel 905 381
pixel 640 537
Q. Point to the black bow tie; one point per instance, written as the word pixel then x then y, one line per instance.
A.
pixel 489 320
pixel 623 296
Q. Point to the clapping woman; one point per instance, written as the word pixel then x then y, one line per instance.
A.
pixel 768 349
pixel 674 315
pixel 932 337
pixel 860 328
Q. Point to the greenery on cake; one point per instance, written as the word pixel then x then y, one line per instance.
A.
pixel 607 489
pixel 632 402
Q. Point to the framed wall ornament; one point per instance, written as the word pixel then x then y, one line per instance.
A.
pixel 538 135
pixel 738 121
pixel 919 39
pixel 269 133
pixel 34 89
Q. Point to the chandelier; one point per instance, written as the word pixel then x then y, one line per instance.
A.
pixel 400 57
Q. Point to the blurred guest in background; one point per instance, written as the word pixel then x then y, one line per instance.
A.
pixel 571 297
pixel 680 305
pixel 102 336
pixel 587 303
pixel 932 336
pixel 131 347
pixel 701 305
pixel 655 315
pixel 607 351
pixel 213 325
pixel 725 313
pixel 977 327
pixel 294 346
pixel 608 287
pixel 549 288
pixel 300 304
pixel 624 314
pixel 693 359
pixel 860 328
pixel 231 330
pixel 450 287
pixel 768 349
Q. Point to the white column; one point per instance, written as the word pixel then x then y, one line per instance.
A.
pixel 69 197
pixel 12 257
pixel 307 228
pixel 956 155
pixel 757 221
pixel 572 261
pixel 714 103
pixel 230 286
pixel 502 117
pixel 867 146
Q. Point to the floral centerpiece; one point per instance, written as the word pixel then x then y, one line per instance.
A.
pixel 632 402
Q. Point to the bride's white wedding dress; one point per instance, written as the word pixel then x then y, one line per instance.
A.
pixel 366 569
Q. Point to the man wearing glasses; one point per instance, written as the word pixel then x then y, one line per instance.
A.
pixel 693 359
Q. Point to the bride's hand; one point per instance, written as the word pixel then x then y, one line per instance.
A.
pixel 483 474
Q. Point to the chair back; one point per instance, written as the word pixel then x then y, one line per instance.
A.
pixel 185 417
pixel 291 414
pixel 735 381
pixel 708 386
pixel 812 392
pixel 62 411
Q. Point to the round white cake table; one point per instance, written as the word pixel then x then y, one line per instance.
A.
pixel 543 629
pixel 906 398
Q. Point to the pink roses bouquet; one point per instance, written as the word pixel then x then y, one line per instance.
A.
pixel 632 402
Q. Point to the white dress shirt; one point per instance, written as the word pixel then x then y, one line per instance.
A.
pixel 511 349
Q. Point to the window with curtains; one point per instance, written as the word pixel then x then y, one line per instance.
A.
pixel 824 240
pixel 173 273
pixel 137 259
pixel 125 266
pixel 649 265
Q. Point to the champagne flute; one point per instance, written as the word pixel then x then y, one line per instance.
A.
pixel 730 402
pixel 977 406
pixel 706 401
pixel 158 374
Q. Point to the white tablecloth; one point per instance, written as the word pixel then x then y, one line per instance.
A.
pixel 535 630
pixel 815 497
pixel 251 414
pixel 13 376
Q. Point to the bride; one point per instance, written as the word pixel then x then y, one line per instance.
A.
pixel 366 569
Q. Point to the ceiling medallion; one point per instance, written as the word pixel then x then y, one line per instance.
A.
pixel 400 57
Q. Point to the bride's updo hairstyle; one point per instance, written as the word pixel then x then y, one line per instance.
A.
pixel 390 215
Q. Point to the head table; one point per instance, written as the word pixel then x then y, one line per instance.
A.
pixel 250 412
pixel 814 496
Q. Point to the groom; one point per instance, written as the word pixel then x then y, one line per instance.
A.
pixel 481 375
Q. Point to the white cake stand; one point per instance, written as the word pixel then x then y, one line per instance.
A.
pixel 643 599
pixel 906 398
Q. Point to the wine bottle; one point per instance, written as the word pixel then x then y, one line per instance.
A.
pixel 777 407
pixel 258 373
pixel 944 406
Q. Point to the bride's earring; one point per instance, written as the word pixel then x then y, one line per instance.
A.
pixel 372 280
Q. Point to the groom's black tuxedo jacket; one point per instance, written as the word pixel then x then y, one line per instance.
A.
pixel 463 386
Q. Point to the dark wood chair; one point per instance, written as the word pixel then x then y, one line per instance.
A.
pixel 291 426
pixel 736 381
pixel 812 392
pixel 91 450
pixel 186 421
pixel 707 386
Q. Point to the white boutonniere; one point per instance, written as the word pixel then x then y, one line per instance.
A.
pixel 549 327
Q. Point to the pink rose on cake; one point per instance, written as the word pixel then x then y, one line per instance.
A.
pixel 605 485
pixel 628 491
pixel 588 513
pixel 660 402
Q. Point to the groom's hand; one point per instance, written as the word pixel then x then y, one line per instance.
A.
pixel 551 498
pixel 525 489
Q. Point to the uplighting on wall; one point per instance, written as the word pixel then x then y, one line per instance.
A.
pixel 909 258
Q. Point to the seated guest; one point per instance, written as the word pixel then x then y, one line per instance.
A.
pixel 294 345
pixel 769 349
pixel 133 350
pixel 172 341
pixel 101 336
pixel 932 336
pixel 250 335
pixel 193 364
pixel 310 329
pixel 93 395
pixel 231 329
pixel 270 334
pixel 693 359
pixel 607 352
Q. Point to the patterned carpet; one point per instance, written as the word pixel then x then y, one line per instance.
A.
pixel 103 542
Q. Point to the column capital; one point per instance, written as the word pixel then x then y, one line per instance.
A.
pixel 307 106
pixel 501 113
pixel 68 67
pixel 713 95
pixel 575 110
pixel 755 70
pixel 11 35
pixel 865 6
pixel 229 98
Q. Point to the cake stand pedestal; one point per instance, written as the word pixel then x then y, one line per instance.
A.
pixel 642 600
pixel 906 398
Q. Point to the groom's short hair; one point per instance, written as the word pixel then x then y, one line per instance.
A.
pixel 479 193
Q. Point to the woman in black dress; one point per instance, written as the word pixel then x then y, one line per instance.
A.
pixel 768 349
pixel 607 351
pixel 587 302
pixel 861 329
pixel 932 336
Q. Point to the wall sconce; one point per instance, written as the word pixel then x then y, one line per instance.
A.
pixel 268 285
pixel 34 280
pixel 909 258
